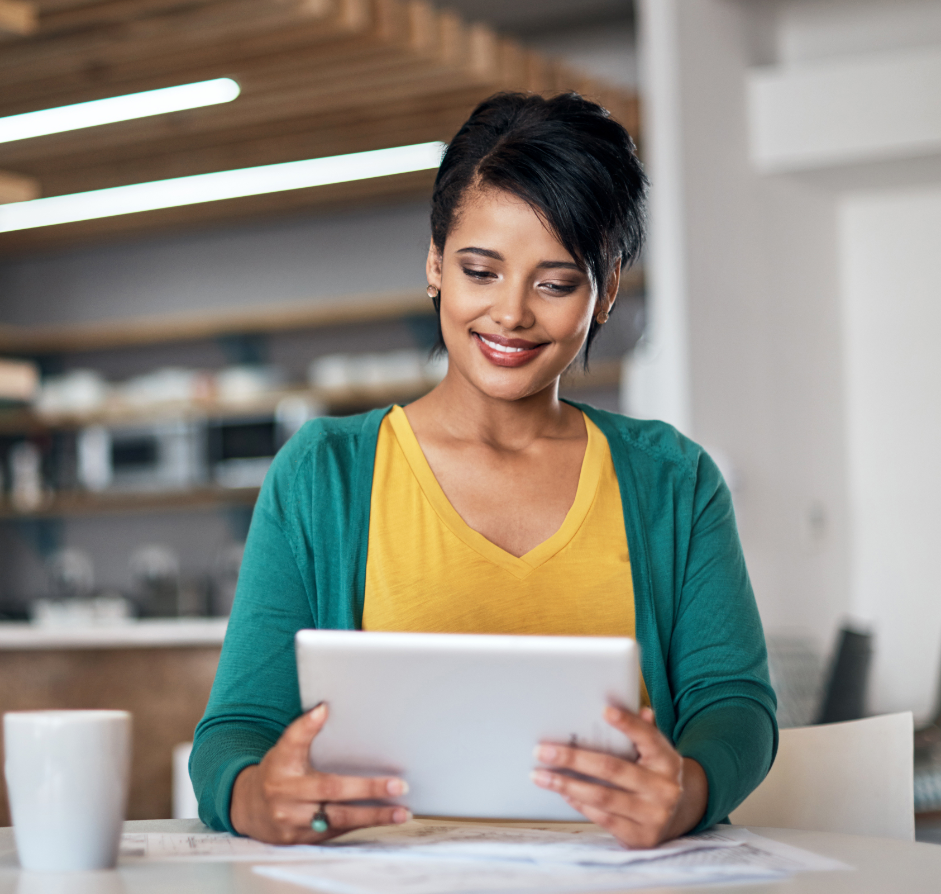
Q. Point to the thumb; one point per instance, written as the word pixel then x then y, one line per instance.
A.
pixel 295 740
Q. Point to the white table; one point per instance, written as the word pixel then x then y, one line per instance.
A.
pixel 881 866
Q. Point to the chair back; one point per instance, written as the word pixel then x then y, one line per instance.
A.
pixel 853 777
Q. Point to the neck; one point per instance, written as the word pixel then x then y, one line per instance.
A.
pixel 463 412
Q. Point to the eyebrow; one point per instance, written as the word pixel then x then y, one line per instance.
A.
pixel 542 265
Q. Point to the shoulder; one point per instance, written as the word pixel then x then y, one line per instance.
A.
pixel 327 449
pixel 649 441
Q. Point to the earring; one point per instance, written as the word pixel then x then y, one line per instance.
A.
pixel 433 293
pixel 602 317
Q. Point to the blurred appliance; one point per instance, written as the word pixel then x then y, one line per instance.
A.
pixel 166 455
pixel 26 479
pixel 241 449
pixel 155 570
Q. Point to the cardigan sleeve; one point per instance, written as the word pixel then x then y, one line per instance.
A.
pixel 255 694
pixel 725 707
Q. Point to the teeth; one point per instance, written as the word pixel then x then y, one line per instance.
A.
pixel 503 348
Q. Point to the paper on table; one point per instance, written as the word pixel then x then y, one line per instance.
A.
pixel 484 841
pixel 208 846
pixel 390 875
pixel 740 856
pixel 417 840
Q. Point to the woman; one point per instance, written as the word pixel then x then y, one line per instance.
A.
pixel 490 506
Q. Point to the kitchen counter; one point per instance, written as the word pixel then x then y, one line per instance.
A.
pixel 149 633
pixel 161 670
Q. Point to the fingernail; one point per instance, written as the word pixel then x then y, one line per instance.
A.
pixel 542 778
pixel 611 713
pixel 401 815
pixel 318 712
pixel 545 753
pixel 397 787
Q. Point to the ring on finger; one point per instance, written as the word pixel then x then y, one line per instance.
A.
pixel 320 821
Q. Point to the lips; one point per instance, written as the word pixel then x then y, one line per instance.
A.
pixel 507 352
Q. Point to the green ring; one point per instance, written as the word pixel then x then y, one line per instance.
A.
pixel 318 824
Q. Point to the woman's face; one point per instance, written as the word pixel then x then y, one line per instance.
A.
pixel 515 307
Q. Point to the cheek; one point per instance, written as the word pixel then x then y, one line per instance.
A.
pixel 569 323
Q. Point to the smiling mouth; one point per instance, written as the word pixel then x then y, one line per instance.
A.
pixel 508 352
pixel 508 345
pixel 503 349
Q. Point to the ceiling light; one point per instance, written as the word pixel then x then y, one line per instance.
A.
pixel 219 185
pixel 117 108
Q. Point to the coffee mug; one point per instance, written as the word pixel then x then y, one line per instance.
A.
pixel 67 780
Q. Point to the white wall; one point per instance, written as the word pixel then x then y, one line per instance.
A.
pixel 891 260
pixel 812 358
pixel 753 262
pixel 366 251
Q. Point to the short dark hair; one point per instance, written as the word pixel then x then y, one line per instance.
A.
pixel 568 159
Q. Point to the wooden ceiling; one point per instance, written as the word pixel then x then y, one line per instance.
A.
pixel 318 77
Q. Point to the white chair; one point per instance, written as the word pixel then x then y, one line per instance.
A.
pixel 853 777
pixel 184 798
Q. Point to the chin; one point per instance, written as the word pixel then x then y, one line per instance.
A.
pixel 510 388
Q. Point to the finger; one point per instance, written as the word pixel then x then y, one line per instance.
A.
pixel 341 817
pixel 652 746
pixel 629 832
pixel 344 817
pixel 294 744
pixel 604 797
pixel 607 767
pixel 330 787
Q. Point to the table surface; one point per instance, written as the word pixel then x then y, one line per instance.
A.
pixel 880 866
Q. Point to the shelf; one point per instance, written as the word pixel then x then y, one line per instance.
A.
pixel 84 503
pixel 81 503
pixel 334 401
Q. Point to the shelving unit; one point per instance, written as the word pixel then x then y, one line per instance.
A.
pixel 129 334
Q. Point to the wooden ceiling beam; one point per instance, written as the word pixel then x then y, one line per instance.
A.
pixel 289 141
pixel 18 17
pixel 336 76
pixel 391 27
pixel 213 35
pixel 18 187
pixel 59 18
pixel 120 149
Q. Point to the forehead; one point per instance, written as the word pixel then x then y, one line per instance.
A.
pixel 495 215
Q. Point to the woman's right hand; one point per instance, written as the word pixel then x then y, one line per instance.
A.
pixel 276 800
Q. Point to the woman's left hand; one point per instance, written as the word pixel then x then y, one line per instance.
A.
pixel 642 803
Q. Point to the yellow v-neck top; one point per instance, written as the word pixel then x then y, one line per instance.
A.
pixel 428 571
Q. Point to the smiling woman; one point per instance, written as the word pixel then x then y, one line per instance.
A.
pixel 491 506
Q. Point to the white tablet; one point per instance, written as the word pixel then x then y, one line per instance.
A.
pixel 458 715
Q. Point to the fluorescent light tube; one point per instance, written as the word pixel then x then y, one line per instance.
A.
pixel 219 185
pixel 117 108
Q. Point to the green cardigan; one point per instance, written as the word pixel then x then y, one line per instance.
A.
pixel 702 647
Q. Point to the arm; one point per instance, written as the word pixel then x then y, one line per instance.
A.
pixel 717 663
pixel 255 693
pixel 720 708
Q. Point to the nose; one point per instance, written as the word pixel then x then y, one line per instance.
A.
pixel 511 308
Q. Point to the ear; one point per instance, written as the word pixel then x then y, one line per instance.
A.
pixel 433 266
pixel 606 301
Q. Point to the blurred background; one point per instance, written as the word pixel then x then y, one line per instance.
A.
pixel 164 331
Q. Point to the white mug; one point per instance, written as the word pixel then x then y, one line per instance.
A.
pixel 67 778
